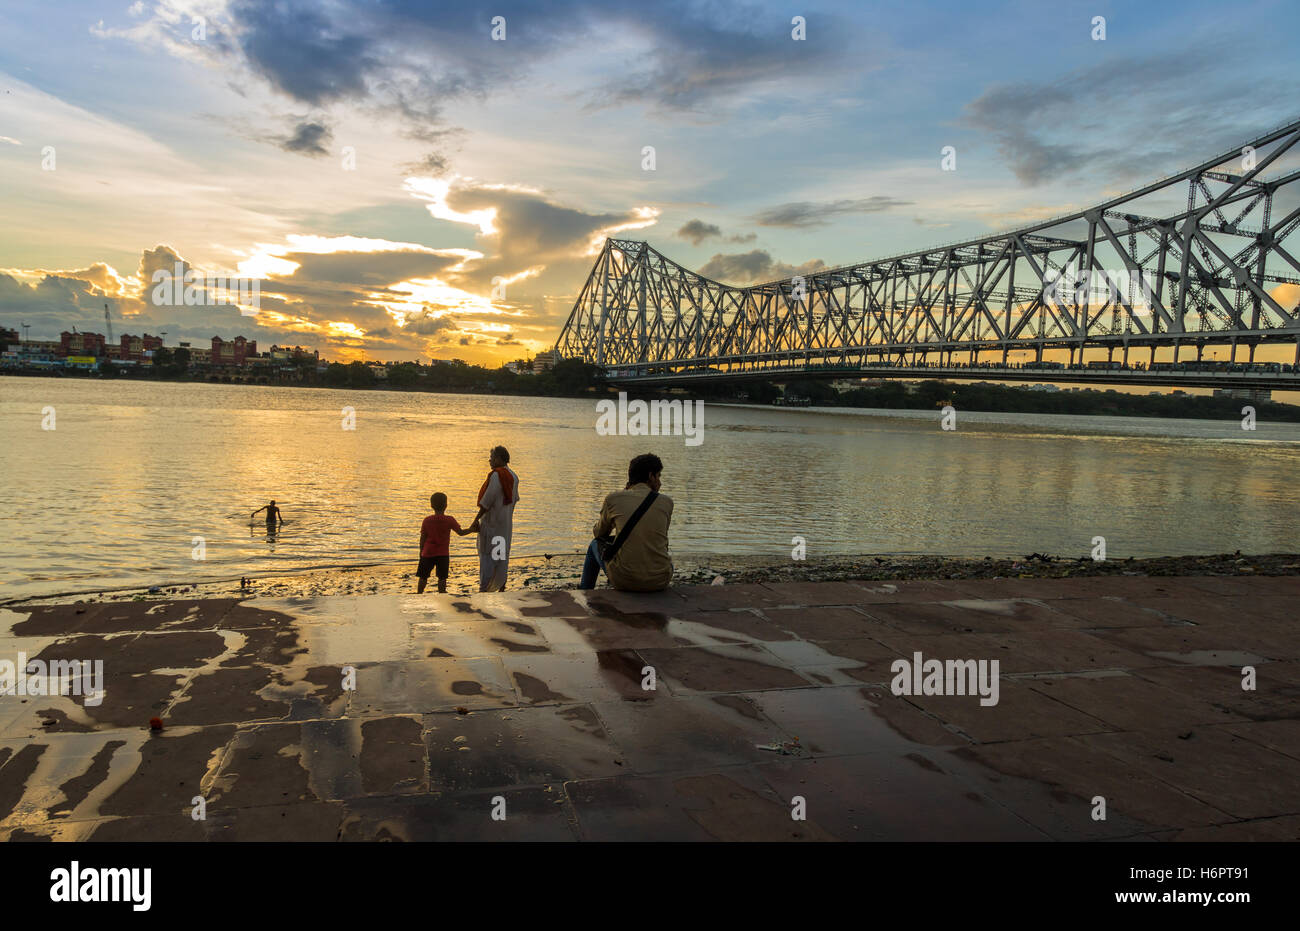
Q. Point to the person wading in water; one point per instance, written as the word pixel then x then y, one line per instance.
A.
pixel 273 517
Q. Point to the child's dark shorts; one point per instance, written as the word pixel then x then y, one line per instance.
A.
pixel 429 563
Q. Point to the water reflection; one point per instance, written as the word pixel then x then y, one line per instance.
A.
pixel 1001 484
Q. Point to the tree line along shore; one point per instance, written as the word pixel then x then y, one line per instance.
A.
pixel 576 378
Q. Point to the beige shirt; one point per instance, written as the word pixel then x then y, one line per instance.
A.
pixel 642 563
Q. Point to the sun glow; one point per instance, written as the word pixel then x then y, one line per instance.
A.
pixel 344 328
pixel 645 216
pixel 436 191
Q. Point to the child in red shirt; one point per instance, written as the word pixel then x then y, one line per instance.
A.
pixel 435 542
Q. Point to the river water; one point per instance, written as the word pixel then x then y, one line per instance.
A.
pixel 133 472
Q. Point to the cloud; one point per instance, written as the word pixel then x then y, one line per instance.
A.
pixel 53 303
pixel 160 258
pixel 1090 118
pixel 521 230
pixel 410 59
pixel 694 54
pixel 303 53
pixel 755 266
pixel 426 323
pixel 104 277
pixel 309 138
pixel 349 294
pixel 433 165
pixel 56 301
pixel 806 214
pixel 369 269
pixel 342 292
pixel 134 184
pixel 696 231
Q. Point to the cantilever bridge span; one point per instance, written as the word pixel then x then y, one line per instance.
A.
pixel 1191 280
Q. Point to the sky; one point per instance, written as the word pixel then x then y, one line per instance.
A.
pixel 404 186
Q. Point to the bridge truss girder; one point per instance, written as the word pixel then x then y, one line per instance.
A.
pixel 1218 268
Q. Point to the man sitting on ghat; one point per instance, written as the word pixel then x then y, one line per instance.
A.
pixel 631 537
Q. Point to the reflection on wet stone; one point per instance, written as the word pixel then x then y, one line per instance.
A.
pixel 761 693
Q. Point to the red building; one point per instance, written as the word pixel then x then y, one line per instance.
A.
pixel 232 352
pixel 135 347
pixel 81 344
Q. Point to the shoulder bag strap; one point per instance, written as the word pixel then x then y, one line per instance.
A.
pixel 631 523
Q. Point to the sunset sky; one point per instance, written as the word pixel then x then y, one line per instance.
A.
pixel 377 164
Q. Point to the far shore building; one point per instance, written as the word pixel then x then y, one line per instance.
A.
pixel 542 362
pixel 545 361
pixel 294 354
pixel 134 348
pixel 50 346
pixel 1245 394
pixel 81 344
pixel 232 352
pixel 842 385
pixel 31 353
pixel 198 355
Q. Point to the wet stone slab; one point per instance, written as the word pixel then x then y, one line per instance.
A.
pixel 747 712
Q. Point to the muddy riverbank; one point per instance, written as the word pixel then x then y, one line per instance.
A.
pixel 561 572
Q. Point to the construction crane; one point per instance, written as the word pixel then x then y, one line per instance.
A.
pixel 108 322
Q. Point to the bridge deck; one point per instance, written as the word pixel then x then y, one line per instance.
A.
pixel 1274 381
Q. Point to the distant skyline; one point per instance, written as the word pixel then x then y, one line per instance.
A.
pixel 402 185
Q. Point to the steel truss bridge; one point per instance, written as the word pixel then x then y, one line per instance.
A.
pixel 1133 290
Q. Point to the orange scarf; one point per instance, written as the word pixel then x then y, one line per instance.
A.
pixel 507 485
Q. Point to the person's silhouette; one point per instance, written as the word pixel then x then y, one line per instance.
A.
pixel 273 517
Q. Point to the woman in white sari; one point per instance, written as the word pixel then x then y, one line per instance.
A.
pixel 495 520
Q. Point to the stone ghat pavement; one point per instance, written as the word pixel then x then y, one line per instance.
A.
pixel 524 716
